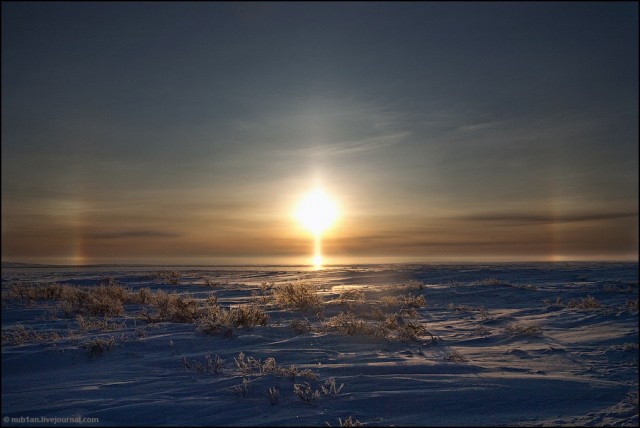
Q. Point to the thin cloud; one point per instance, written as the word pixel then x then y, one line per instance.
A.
pixel 545 218
pixel 477 127
pixel 352 147
pixel 133 234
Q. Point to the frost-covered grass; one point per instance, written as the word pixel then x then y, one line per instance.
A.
pixel 301 297
pixel 524 330
pixel 585 303
pixel 374 346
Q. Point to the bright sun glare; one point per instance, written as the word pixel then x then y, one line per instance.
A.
pixel 316 213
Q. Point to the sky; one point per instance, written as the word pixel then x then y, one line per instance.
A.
pixel 188 132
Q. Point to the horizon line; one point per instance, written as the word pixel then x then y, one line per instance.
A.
pixel 7 264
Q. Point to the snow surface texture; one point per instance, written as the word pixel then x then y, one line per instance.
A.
pixel 404 345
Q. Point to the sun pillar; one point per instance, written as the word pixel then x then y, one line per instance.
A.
pixel 317 253
pixel 316 213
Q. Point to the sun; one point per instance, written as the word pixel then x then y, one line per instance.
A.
pixel 317 212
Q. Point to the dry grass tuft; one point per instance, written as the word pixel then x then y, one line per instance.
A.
pixel 347 323
pixel 403 302
pixel 306 393
pixel 301 296
pixel 242 390
pixel 413 332
pixel 490 281
pixel 292 372
pixel 459 308
pixel 217 319
pixel 104 300
pixel 243 365
pixel 482 331
pixel 210 365
pixel 524 330
pixel 455 358
pixel 301 326
pixel 247 316
pixel 178 308
pixel 170 277
pixel 348 422
pixel 260 298
pixel 250 366
pixel 107 300
pixel 26 291
pixel 208 282
pixel 557 304
pixel 414 285
pixel 352 295
pixel 144 296
pixel 87 324
pixel 585 303
pixel 274 395
pixel 480 310
pixel 329 387
pixel 99 345
pixel 20 335
pixel 393 327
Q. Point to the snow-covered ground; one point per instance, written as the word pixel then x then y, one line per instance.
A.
pixel 496 344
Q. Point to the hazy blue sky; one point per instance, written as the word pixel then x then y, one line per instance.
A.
pixel 187 132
